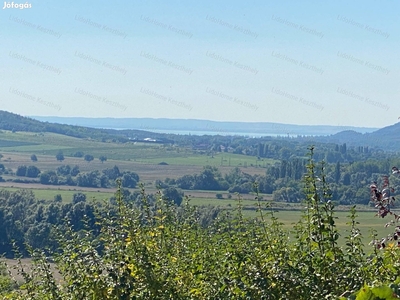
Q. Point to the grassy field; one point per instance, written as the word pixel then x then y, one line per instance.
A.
pixel 144 159
pixel 291 214
pixel 367 221
pixel 67 195
pixel 51 143
pixel 287 214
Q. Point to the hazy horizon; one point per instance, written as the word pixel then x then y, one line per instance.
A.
pixel 303 63
pixel 186 119
pixel 196 126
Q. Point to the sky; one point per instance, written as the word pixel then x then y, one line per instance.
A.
pixel 293 62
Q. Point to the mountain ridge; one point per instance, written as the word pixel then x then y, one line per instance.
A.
pixel 203 125
pixel 387 138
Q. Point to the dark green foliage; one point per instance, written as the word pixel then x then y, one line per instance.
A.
pixel 209 179
pixel 150 248
pixel 112 173
pixel 24 219
pixel 288 194
pixel 89 157
pixel 49 177
pixel 78 154
pixel 173 195
pixel 89 179
pixel 161 251
pixel 33 157
pixel 129 179
pixel 60 156
pixel 337 172
pixel 21 171
pixel 32 171
pixel 102 158
pixel 6 283
pixel 159 184
pixel 64 170
pixel 78 197
pixel 74 171
pixel 346 179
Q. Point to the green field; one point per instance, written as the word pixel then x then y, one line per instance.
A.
pixel 51 143
pixel 220 159
pixel 367 220
pixel 144 159
pixel 67 195
pixel 289 215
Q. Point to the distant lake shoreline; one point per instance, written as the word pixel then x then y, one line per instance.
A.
pixel 207 127
pixel 203 132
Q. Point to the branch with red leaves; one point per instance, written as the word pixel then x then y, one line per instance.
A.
pixel 383 200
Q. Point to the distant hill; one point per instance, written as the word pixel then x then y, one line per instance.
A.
pixel 387 138
pixel 205 126
pixel 14 122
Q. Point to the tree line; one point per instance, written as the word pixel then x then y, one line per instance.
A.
pixel 72 176
pixel 348 181
pixel 157 250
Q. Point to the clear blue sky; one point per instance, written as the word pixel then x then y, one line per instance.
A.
pixel 296 62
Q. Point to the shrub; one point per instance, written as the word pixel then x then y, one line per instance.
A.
pixel 78 154
pixel 32 171
pixel 157 250
pixel 60 156
pixel 89 157
pixel 21 171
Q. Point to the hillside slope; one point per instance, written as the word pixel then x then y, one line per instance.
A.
pixel 387 138
pixel 14 122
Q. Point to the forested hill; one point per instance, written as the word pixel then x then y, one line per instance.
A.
pixel 387 138
pixel 14 122
pixel 193 125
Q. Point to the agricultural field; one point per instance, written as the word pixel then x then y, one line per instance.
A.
pixel 367 221
pixel 48 144
pixel 288 214
pixel 150 161
pixel 145 159
pixel 67 195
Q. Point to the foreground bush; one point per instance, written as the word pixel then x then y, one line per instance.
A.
pixel 162 251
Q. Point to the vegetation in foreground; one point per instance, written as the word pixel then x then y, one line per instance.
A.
pixel 161 251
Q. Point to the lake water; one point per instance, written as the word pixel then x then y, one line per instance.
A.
pixel 224 133
pixel 200 132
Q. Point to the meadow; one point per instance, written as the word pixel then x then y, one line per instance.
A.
pixel 145 159
pixel 48 144
pixel 287 214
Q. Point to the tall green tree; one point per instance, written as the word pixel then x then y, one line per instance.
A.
pixel 60 156
pixel 89 157
pixel 337 172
